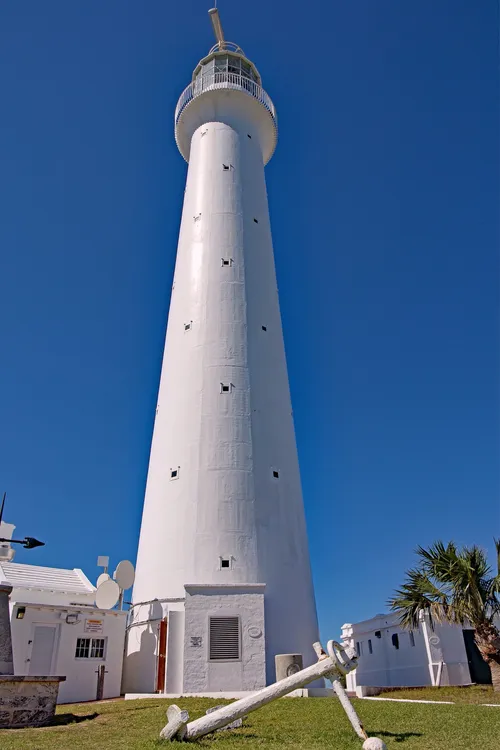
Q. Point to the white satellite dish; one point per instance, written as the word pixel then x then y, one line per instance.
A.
pixel 103 577
pixel 107 594
pixel 124 575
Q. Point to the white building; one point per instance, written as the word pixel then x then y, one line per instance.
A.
pixel 57 630
pixel 223 579
pixel 433 654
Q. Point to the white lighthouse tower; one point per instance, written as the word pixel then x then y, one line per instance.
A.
pixel 223 574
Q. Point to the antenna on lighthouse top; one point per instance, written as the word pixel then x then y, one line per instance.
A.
pixel 217 27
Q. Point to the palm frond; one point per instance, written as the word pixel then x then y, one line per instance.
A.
pixel 438 558
pixel 449 584
pixel 496 579
pixel 419 594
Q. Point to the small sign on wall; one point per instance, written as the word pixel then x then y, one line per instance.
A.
pixel 93 626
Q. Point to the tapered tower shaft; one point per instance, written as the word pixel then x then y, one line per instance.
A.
pixel 223 501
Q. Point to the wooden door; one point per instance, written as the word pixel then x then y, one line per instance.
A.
pixel 162 656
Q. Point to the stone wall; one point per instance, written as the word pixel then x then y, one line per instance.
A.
pixel 6 661
pixel 27 701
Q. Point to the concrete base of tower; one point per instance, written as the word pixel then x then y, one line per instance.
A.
pixel 224 638
pixel 213 641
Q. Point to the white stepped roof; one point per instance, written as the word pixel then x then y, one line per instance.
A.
pixel 46 579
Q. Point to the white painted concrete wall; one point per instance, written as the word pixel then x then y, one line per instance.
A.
pixel 142 646
pixel 81 677
pixel 225 501
pixel 174 679
pixel 203 675
pixel 408 665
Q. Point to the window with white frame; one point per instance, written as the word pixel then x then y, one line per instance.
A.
pixel 90 648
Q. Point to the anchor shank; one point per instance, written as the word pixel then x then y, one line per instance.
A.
pixel 220 718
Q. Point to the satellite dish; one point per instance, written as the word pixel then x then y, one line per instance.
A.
pixel 103 577
pixel 107 594
pixel 124 575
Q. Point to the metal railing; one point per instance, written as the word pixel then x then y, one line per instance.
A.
pixel 224 80
pixel 226 46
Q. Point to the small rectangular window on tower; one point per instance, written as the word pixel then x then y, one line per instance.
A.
pixel 188 326
pixel 225 387
pixel 370 647
pixel 412 638
pixel 276 474
pixel 174 473
pixel 264 328
pixel 227 261
pixel 248 135
pixel 256 220
pixel 225 562
pixel 225 167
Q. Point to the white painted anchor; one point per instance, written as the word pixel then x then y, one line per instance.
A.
pixel 337 662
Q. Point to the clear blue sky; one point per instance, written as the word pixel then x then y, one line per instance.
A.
pixel 384 201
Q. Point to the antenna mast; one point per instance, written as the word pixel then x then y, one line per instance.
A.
pixel 217 27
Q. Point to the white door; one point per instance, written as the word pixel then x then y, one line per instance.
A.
pixel 42 650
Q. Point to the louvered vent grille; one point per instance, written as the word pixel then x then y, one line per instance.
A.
pixel 224 638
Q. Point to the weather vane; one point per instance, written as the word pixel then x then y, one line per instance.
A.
pixel 29 542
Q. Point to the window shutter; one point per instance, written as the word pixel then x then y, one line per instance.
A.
pixel 224 638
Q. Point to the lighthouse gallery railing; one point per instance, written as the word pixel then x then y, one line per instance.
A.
pixel 223 80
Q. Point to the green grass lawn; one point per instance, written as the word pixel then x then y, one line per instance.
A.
pixel 472 694
pixel 292 723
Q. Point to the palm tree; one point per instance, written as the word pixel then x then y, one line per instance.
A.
pixel 457 586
